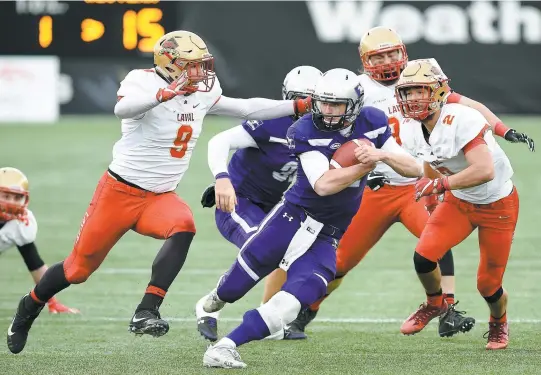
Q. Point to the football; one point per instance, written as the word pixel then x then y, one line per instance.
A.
pixel 344 156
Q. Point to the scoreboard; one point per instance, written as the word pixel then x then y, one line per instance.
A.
pixel 90 28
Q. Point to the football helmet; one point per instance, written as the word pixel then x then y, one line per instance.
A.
pixel 427 75
pixel 180 51
pixel 380 40
pixel 337 100
pixel 300 82
pixel 13 194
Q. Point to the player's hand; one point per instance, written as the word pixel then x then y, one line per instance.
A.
pixel 376 180
pixel 515 137
pixel 303 105
pixel 431 202
pixel 180 86
pixel 208 199
pixel 226 199
pixel 56 307
pixel 368 154
pixel 426 186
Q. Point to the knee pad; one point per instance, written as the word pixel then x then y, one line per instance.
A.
pixel 423 265
pixel 489 287
pixel 447 264
pixel 280 310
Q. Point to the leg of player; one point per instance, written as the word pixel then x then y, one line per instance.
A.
pixel 307 280
pixel 109 215
pixel 376 214
pixel 446 228
pixel 453 321
pixel 236 227
pixel 495 238
pixel 414 216
pixel 37 269
pixel 166 217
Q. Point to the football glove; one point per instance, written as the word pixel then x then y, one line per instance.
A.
pixel 180 86
pixel 426 186
pixel 376 180
pixel 515 137
pixel 303 105
pixel 208 199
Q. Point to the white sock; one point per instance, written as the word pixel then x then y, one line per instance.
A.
pixel 227 342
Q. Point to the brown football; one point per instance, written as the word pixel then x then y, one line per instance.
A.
pixel 344 156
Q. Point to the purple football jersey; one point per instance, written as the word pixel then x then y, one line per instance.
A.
pixel 263 174
pixel 338 209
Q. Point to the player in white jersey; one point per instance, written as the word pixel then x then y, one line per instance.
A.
pixel 162 111
pixel 475 175
pixel 19 228
pixel 388 197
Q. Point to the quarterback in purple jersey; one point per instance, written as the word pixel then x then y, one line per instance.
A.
pixel 259 173
pixel 300 234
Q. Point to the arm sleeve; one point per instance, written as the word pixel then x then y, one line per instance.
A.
pixel 220 145
pixel 254 109
pixel 133 99
pixel 314 164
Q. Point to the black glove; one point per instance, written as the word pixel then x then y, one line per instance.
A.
pixel 376 180
pixel 515 137
pixel 208 199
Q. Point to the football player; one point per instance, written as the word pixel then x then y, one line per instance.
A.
pixel 254 181
pixel 300 234
pixel 455 141
pixel 388 197
pixel 162 112
pixel 18 227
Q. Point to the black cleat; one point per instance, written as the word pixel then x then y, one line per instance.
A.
pixel 454 321
pixel 208 328
pixel 21 323
pixel 295 330
pixel 148 322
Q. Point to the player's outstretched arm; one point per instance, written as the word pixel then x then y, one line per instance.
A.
pixel 391 154
pixel 497 125
pixel 259 108
pixel 327 181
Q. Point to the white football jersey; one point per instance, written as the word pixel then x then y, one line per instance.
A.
pixel 382 97
pixel 456 127
pixel 18 233
pixel 155 149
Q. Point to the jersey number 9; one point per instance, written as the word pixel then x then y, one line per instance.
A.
pixel 184 134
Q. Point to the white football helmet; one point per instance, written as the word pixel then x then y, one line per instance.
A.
pixel 300 82
pixel 334 88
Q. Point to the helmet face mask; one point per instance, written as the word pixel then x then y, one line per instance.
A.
pixel 183 51
pixel 422 89
pixel 337 100
pixel 13 194
pixel 383 54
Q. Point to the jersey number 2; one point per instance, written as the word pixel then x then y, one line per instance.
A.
pixel 394 124
pixel 184 134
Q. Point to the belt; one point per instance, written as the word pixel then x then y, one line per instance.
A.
pixel 127 187
pixel 327 230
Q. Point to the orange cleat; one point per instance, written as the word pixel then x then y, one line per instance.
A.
pixel 498 336
pixel 420 318
pixel 56 307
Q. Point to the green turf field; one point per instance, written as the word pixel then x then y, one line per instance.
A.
pixel 358 327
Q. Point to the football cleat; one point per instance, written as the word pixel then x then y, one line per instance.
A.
pixel 208 328
pixel 420 318
pixel 56 307
pixel 295 330
pixel 20 325
pixel 498 336
pixel 454 321
pixel 222 356
pixel 148 322
pixel 207 323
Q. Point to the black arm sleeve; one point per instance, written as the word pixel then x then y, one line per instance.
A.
pixel 31 257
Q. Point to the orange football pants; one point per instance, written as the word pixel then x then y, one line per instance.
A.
pixel 379 210
pixel 116 208
pixel 454 220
